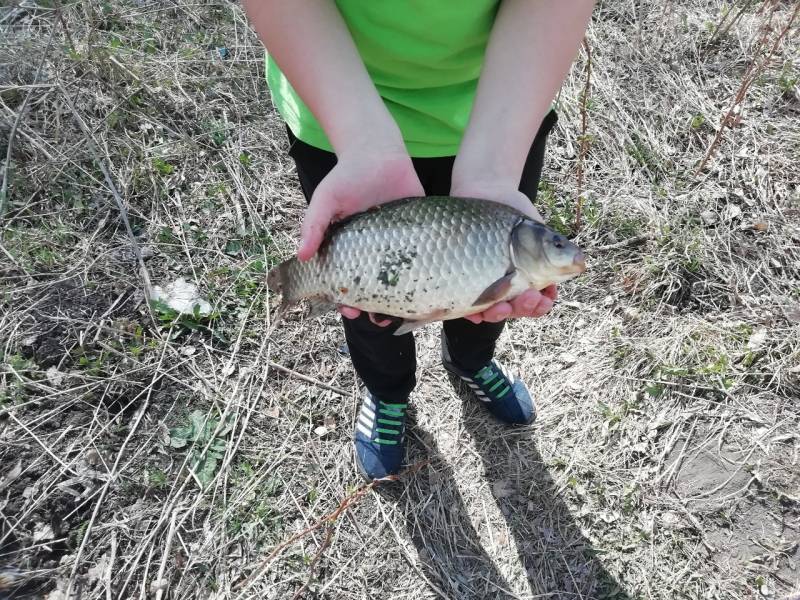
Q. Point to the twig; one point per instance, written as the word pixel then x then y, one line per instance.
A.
pixel 308 379
pixel 584 139
pixel 167 547
pixel 722 27
pixel 751 74
pixel 59 14
pixel 345 504
pixel 631 241
pixel 123 212
pixel 23 108
pixel 313 565
pixel 115 471
pixel 111 564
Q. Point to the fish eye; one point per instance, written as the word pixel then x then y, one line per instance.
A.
pixel 558 241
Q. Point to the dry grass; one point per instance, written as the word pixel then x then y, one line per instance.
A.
pixel 666 459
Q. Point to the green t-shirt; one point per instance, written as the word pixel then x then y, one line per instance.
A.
pixel 424 57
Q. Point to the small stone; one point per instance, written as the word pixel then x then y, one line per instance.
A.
pixel 631 314
pixel 608 300
pixel 568 358
pixel 321 431
pixel 709 217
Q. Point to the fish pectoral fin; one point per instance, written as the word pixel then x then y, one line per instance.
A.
pixel 496 291
pixel 410 325
pixel 319 305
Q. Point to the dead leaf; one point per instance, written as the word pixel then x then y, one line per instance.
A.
pixel 757 339
pixel 760 226
pixel 329 422
pixel 273 412
pixel 42 533
pixel 54 376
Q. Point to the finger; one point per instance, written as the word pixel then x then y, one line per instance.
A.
pixel 315 223
pixel 551 291
pixel 378 321
pixel 544 307
pixel 526 302
pixel 498 312
pixel 349 312
pixel 476 318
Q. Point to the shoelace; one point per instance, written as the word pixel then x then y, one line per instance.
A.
pixel 389 416
pixel 492 373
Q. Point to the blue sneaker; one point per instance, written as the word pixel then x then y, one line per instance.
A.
pixel 380 441
pixel 504 395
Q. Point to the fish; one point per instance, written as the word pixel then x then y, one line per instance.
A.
pixel 428 259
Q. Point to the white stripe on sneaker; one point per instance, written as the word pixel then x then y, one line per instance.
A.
pixel 367 412
pixel 364 430
pixel 366 422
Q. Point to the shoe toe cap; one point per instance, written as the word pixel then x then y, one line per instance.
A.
pixel 375 461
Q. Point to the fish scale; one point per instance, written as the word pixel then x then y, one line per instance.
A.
pixel 416 258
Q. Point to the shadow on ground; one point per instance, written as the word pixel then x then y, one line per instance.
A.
pixel 558 560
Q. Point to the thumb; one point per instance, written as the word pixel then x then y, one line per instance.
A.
pixel 315 223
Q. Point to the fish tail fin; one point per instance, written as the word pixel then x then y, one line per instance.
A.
pixel 280 280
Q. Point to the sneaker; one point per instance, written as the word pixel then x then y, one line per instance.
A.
pixel 503 394
pixel 380 437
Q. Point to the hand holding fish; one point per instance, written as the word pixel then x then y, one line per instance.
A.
pixel 531 302
pixel 357 182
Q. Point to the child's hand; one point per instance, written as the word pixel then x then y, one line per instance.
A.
pixel 357 182
pixel 530 303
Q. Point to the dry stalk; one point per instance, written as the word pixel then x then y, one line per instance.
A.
pixel 724 25
pixel 308 379
pixel 326 542
pixel 345 504
pixel 584 139
pixel 60 15
pixel 754 70
pixel 123 212
pixel 13 132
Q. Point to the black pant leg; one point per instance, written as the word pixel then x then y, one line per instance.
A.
pixel 472 346
pixel 386 363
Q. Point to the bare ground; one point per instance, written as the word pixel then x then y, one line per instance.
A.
pixel 144 456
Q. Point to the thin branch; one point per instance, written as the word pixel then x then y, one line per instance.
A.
pixel 584 139
pixel 326 542
pixel 751 74
pixel 308 379
pixel 631 241
pixel 123 212
pixel 23 108
pixel 347 503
